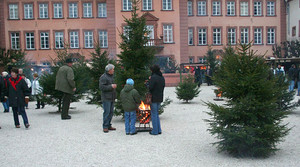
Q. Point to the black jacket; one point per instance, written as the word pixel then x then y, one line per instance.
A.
pixel 2 87
pixel 16 91
pixel 156 87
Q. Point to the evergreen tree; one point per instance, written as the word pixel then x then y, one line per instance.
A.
pixel 98 62
pixel 14 58
pixel 135 57
pixel 211 59
pixel 250 124
pixel 187 89
pixel 48 80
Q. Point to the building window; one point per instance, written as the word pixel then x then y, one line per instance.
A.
pixel 191 36
pixel 150 35
pixel 73 10
pixel 147 4
pixel 217 36
pixel 126 31
pixel 271 36
pixel 231 35
pixel 13 11
pixel 15 40
pixel 102 12
pixel 270 8
pixel 59 40
pixel 43 8
pixel 244 8
pixel 202 60
pixel 258 36
pixel 57 10
pixel 216 8
pixel 230 8
pixel 202 36
pixel 191 60
pixel 127 5
pixel 87 10
pixel 103 39
pixel 168 33
pixel 28 11
pixel 293 31
pixel 257 9
pixel 88 39
pixel 74 41
pixel 29 40
pixel 201 8
pixel 190 8
pixel 167 4
pixel 244 36
pixel 44 40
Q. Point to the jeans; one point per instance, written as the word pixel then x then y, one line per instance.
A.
pixel 6 105
pixel 21 110
pixel 108 107
pixel 130 118
pixel 292 84
pixel 155 118
pixel 298 87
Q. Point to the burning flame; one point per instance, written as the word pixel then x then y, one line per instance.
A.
pixel 144 107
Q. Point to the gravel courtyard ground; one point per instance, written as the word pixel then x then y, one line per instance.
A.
pixel 80 141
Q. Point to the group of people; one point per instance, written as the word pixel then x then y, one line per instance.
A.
pixel 208 76
pixel 130 97
pixel 15 90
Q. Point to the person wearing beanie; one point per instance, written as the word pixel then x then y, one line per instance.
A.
pixel 18 94
pixel 66 84
pixel 156 88
pixel 108 96
pixel 130 99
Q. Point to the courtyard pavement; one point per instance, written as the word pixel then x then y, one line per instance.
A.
pixel 80 142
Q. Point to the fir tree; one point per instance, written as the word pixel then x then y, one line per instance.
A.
pixel 98 62
pixel 135 57
pixel 250 124
pixel 187 89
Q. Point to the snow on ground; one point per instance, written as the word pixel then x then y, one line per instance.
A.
pixel 80 141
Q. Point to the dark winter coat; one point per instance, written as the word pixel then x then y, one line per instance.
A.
pixel 130 98
pixel 156 87
pixel 105 85
pixel 16 91
pixel 2 87
pixel 292 73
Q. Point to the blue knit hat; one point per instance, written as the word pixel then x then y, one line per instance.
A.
pixel 129 81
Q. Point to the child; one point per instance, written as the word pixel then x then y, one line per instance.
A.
pixel 130 98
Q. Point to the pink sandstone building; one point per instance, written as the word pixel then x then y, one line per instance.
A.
pixel 181 29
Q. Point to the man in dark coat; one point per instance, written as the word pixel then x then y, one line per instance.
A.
pixel 156 88
pixel 66 84
pixel 292 74
pixel 2 86
pixel 208 75
pixel 18 94
pixel 108 96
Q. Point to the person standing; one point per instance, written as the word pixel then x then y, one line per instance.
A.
pixel 130 99
pixel 37 89
pixel 2 86
pixel 66 84
pixel 156 88
pixel 5 103
pixel 18 94
pixel 28 82
pixel 208 75
pixel 108 96
pixel 292 74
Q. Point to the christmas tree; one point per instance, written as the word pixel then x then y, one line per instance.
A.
pixel 187 89
pixel 250 124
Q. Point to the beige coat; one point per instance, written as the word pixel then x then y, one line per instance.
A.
pixel 65 80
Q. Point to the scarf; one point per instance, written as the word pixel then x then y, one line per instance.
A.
pixel 14 83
